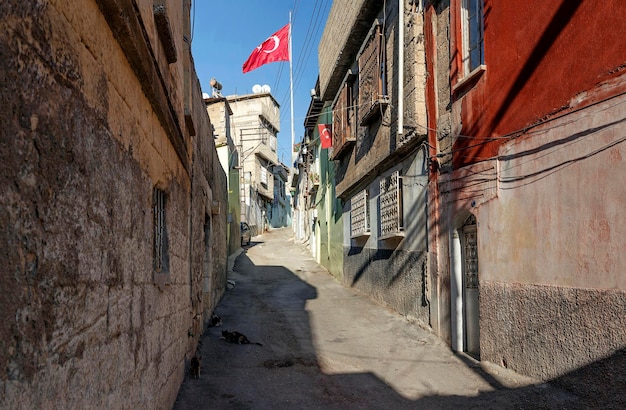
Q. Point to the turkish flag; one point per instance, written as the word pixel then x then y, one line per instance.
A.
pixel 326 134
pixel 275 48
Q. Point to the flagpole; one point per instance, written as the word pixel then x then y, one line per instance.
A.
pixel 293 133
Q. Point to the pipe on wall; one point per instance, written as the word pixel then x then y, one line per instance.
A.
pixel 401 67
pixel 456 292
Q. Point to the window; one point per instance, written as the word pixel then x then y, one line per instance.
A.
pixel 263 175
pixel 372 84
pixel 472 28
pixel 390 202
pixel 359 215
pixel 161 247
pixel 344 108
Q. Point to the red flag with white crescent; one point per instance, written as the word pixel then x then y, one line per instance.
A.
pixel 326 135
pixel 275 48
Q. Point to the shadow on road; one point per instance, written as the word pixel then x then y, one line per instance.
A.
pixel 269 305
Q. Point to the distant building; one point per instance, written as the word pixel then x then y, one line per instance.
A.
pixel 255 124
pixel 220 114
pixel 280 212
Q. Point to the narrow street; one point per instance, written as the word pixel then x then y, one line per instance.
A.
pixel 325 346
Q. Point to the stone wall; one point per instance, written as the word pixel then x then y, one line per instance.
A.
pixel 348 22
pixel 85 140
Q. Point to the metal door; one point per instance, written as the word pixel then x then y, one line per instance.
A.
pixel 471 316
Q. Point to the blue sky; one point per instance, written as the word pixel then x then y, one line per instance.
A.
pixel 226 31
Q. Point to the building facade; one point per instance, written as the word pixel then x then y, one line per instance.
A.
pixel 318 214
pixel 375 91
pixel 280 212
pixel 476 168
pixel 113 235
pixel 219 113
pixel 526 123
pixel 254 127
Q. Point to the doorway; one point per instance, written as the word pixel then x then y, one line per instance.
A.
pixel 465 315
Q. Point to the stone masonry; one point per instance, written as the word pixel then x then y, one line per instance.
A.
pixel 86 138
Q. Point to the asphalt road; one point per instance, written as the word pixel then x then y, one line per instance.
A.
pixel 325 346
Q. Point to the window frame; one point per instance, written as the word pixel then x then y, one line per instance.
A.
pixel 372 79
pixel 360 224
pixel 472 12
pixel 391 206
pixel 344 116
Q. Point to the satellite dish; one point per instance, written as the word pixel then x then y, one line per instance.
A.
pixel 205 95
pixel 256 88
pixel 266 88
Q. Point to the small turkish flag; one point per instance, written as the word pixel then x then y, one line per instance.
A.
pixel 326 134
pixel 275 48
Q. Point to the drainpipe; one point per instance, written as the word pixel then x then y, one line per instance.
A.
pixel 401 67
pixel 456 292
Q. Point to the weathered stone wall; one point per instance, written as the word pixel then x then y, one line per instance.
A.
pixel 82 323
pixel 348 22
pixel 379 145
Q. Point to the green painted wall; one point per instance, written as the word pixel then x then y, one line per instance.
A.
pixel 329 211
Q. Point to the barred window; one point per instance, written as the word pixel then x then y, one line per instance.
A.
pixel 161 246
pixel 344 117
pixel 372 87
pixel 390 202
pixel 360 215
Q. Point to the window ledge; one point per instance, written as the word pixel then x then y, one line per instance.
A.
pixel 390 235
pixel 477 72
pixel 375 110
pixel 363 234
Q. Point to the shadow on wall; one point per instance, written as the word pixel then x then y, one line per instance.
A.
pixel 397 277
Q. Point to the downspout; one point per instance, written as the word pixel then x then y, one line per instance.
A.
pixel 401 67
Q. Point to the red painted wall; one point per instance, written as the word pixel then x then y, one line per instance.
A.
pixel 539 55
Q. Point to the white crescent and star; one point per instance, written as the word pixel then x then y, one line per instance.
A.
pixel 326 133
pixel 276 44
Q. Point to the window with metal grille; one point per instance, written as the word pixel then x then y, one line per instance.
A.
pixel 470 248
pixel 161 256
pixel 344 117
pixel 360 215
pixel 390 203
pixel 372 87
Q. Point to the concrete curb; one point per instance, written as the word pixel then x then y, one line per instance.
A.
pixel 231 260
